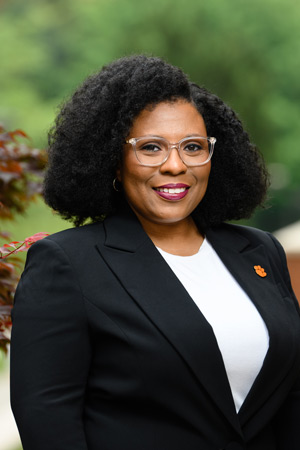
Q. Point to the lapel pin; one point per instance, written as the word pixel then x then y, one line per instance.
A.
pixel 260 271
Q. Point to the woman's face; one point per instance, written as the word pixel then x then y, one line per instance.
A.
pixel 143 185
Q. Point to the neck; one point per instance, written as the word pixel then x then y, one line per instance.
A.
pixel 180 238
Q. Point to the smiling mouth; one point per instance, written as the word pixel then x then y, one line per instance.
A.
pixel 172 193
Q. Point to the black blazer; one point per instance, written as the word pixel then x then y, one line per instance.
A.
pixel 109 352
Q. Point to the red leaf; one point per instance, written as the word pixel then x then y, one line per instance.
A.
pixel 12 244
pixel 20 133
pixel 20 246
pixel 32 239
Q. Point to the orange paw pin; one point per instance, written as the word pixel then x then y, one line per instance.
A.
pixel 260 271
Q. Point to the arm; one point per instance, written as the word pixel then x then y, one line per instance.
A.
pixel 284 271
pixel 286 425
pixel 50 352
pixel 288 418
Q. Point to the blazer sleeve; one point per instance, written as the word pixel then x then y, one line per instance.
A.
pixel 50 352
pixel 288 418
pixel 283 269
pixel 287 427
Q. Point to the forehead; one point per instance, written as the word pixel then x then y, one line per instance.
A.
pixel 170 120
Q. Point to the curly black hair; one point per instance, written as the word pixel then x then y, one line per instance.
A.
pixel 86 142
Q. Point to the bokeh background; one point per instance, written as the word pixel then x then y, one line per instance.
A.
pixel 247 52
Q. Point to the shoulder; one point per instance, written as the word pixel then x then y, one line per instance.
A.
pixel 248 239
pixel 264 238
pixel 86 234
pixel 73 243
pixel 244 237
pixel 253 235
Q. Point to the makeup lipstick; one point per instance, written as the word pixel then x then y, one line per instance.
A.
pixel 172 191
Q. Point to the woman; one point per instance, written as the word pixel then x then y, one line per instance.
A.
pixel 159 326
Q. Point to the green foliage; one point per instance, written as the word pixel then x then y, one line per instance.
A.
pixel 246 52
pixel 37 218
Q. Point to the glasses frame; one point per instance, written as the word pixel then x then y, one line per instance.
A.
pixel 177 145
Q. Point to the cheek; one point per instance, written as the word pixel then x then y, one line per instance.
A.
pixel 203 174
pixel 131 178
pixel 128 171
pixel 135 180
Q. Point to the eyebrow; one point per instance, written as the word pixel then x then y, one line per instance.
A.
pixel 161 137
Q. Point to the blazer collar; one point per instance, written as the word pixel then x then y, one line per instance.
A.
pixel 143 272
pixel 123 231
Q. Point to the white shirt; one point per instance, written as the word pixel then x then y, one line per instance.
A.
pixel 241 333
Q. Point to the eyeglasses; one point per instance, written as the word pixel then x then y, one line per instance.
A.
pixel 153 151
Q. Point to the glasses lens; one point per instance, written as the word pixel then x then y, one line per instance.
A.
pixel 195 151
pixel 151 151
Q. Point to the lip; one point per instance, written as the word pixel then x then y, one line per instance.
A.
pixel 172 186
pixel 172 196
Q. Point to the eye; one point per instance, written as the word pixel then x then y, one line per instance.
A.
pixel 150 147
pixel 193 147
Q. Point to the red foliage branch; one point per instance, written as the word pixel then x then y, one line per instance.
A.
pixel 20 246
pixel 9 280
pixel 21 173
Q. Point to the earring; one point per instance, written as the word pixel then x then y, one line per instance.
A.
pixel 114 185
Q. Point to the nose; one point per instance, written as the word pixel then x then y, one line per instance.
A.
pixel 174 163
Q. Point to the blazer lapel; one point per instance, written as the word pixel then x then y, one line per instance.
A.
pixel 144 274
pixel 240 258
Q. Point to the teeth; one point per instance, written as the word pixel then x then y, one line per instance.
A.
pixel 172 190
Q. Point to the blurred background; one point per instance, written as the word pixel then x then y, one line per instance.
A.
pixel 247 52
